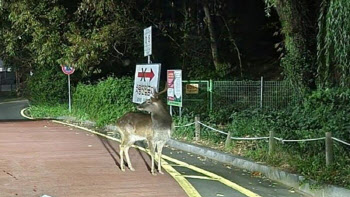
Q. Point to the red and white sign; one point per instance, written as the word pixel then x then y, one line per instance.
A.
pixel 174 81
pixel 146 79
pixel 67 69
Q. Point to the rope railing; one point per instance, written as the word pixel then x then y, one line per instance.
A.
pixel 301 140
pixel 261 138
pixel 341 141
pixel 186 125
pixel 271 139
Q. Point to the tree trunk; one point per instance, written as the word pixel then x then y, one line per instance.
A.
pixel 299 23
pixel 213 41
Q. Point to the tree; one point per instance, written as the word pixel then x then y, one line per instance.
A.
pixel 334 44
pixel 299 27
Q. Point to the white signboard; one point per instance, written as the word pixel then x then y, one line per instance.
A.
pixel 146 78
pixel 147 41
pixel 174 80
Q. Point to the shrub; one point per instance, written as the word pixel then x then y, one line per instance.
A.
pixel 48 86
pixel 105 101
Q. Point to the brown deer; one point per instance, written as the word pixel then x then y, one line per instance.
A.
pixel 155 128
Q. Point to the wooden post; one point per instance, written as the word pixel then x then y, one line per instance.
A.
pixel 197 128
pixel 228 140
pixel 272 142
pixel 329 149
pixel 261 91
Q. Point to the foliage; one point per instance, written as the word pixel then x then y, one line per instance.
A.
pixel 48 87
pixel 333 44
pixel 48 111
pixel 105 101
pixel 299 28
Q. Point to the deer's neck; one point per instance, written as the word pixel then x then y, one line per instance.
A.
pixel 161 119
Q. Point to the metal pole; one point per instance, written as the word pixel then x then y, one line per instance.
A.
pixel 180 111
pixel 69 100
pixel 149 59
pixel 261 91
pixel 171 110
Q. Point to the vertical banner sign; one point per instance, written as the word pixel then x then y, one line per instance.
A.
pixel 174 81
pixel 146 79
pixel 147 41
pixel 68 71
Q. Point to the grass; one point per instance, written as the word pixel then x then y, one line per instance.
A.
pixel 48 111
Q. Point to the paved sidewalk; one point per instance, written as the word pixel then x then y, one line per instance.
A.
pixel 41 157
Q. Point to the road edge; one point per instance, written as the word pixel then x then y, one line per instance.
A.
pixel 292 180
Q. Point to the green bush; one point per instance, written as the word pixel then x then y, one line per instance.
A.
pixel 105 101
pixel 47 86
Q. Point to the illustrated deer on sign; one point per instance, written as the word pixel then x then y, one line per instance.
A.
pixel 155 128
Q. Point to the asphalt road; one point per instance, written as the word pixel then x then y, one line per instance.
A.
pixel 11 110
pixel 209 178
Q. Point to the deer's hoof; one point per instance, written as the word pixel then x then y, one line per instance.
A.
pixel 132 169
pixel 122 169
pixel 160 172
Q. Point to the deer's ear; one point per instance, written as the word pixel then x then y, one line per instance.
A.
pixel 153 92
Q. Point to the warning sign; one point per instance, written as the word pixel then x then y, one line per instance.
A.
pixel 146 79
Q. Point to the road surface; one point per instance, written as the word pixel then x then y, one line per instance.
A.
pixel 48 158
pixel 11 110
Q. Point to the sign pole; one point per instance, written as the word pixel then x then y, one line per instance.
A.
pixel 68 71
pixel 69 99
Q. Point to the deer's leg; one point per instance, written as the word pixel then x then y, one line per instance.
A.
pixel 152 151
pixel 160 146
pixel 127 158
pixel 121 153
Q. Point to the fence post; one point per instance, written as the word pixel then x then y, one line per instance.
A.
pixel 228 140
pixel 211 94
pixel 197 128
pixel 261 91
pixel 272 142
pixel 329 149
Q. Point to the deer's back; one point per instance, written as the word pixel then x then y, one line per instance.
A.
pixel 135 123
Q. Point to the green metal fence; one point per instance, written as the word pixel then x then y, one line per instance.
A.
pixel 197 95
pixel 213 95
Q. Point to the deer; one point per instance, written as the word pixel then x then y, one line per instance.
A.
pixel 155 127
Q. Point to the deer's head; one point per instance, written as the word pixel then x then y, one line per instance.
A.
pixel 153 104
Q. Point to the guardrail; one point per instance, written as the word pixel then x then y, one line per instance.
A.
pixel 271 138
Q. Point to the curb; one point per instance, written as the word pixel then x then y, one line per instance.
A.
pixel 288 179
pixel 292 180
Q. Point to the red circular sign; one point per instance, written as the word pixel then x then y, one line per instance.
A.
pixel 67 69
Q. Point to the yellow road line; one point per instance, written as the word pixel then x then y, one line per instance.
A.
pixel 199 177
pixel 182 181
pixel 22 114
pixel 214 176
